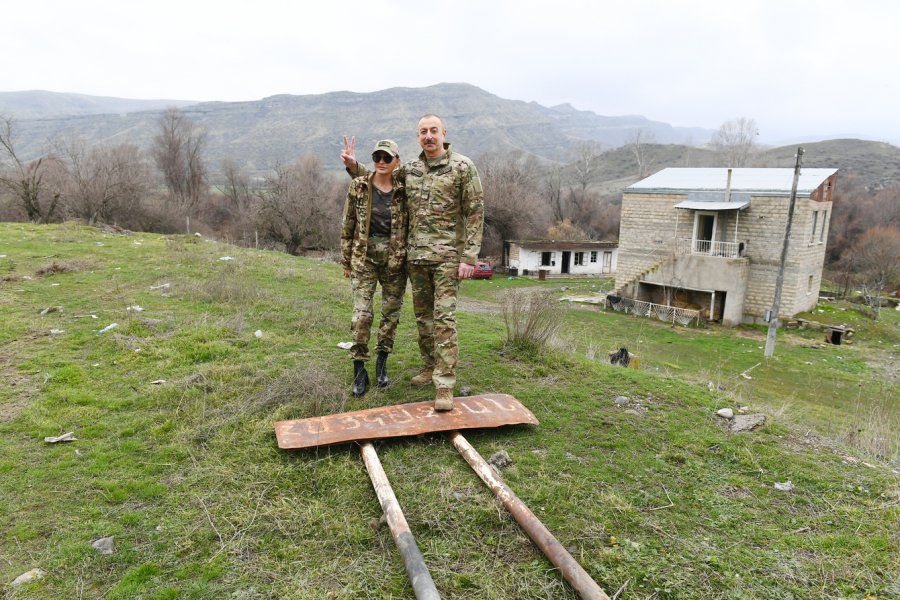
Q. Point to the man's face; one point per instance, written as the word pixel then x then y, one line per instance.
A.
pixel 431 136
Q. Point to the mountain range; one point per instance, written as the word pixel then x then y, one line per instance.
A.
pixel 258 134
pixel 278 129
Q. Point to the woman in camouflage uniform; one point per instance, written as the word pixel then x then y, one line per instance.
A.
pixel 373 250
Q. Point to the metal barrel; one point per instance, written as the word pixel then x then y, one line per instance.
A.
pixel 416 570
pixel 577 577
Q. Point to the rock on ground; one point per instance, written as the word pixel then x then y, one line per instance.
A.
pixel 500 459
pixel 104 545
pixel 28 577
pixel 746 423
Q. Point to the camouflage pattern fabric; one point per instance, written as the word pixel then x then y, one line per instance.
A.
pixel 445 203
pixel 363 280
pixel 446 208
pixel 445 200
pixel 435 287
pixel 356 222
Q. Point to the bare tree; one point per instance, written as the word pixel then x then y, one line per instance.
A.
pixel 553 192
pixel 513 209
pixel 586 154
pixel 178 152
pixel 637 142
pixel 735 141
pixel 25 180
pixel 876 257
pixel 300 206
pixel 236 187
pixel 105 183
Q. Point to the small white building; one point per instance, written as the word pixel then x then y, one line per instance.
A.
pixel 528 257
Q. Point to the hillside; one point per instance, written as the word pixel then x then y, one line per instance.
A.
pixel 176 460
pixel 281 128
pixel 874 165
pixel 40 104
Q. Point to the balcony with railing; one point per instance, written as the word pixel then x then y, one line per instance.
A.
pixel 710 248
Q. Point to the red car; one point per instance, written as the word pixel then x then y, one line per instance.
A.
pixel 483 270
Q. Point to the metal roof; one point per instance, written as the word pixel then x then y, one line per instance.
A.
pixel 770 182
pixel 704 205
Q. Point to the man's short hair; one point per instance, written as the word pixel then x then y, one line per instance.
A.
pixel 429 115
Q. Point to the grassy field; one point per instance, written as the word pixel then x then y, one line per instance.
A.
pixel 176 455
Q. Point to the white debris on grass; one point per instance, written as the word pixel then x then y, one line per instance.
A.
pixel 787 486
pixel 158 382
pixel 345 345
pixel 226 258
pixel 28 577
pixel 135 308
pixel 162 286
pixel 109 327
pixel 258 333
pixel 66 437
pixel 57 331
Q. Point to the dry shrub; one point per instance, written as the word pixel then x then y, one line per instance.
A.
pixel 229 287
pixel 310 390
pixel 533 318
pixel 873 429
pixel 66 266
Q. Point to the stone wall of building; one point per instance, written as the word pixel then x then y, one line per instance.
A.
pixel 650 224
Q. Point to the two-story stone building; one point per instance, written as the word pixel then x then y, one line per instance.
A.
pixel 710 239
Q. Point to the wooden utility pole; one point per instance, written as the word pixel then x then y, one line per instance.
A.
pixel 779 282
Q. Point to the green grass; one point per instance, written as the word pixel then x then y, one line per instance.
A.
pixel 188 479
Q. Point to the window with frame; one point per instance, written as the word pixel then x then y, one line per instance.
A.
pixel 822 230
pixel 546 257
pixel 579 258
pixel 593 256
pixel 809 285
pixel 812 231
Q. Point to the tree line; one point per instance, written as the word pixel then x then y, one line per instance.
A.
pixel 296 206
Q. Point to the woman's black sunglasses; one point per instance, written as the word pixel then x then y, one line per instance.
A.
pixel 382 157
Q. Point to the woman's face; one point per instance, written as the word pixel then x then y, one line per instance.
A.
pixel 381 166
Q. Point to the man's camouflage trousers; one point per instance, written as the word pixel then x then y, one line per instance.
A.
pixel 435 286
pixel 363 282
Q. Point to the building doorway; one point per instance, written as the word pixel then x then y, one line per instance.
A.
pixel 566 258
pixel 704 232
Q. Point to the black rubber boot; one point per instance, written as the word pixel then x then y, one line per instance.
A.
pixel 381 370
pixel 360 378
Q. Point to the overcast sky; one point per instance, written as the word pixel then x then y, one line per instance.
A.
pixel 801 69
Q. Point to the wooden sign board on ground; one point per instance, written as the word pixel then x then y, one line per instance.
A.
pixel 485 410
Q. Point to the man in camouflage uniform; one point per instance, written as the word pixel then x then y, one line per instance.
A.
pixel 373 250
pixel 446 216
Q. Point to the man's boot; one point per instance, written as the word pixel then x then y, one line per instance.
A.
pixel 360 378
pixel 423 378
pixel 443 400
pixel 381 370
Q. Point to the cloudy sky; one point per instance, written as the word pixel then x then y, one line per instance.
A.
pixel 801 69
